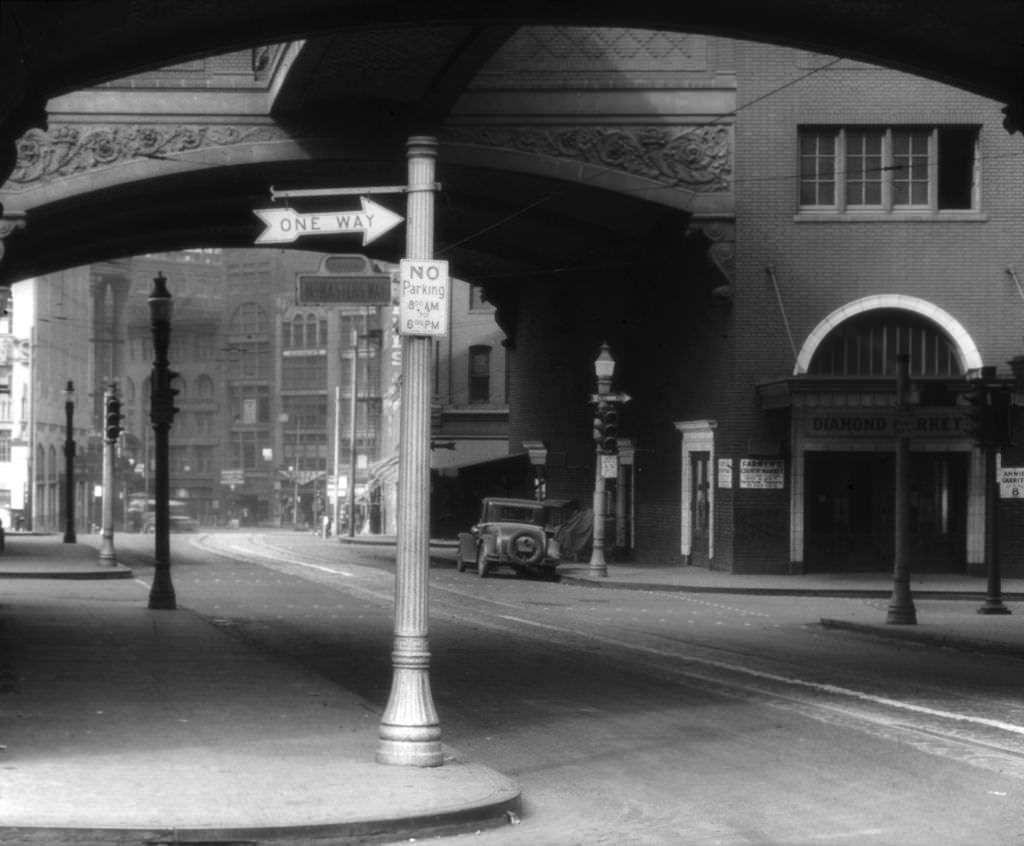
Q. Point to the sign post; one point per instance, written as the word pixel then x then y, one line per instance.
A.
pixel 410 732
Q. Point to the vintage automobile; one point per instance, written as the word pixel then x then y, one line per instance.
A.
pixel 516 533
pixel 178 518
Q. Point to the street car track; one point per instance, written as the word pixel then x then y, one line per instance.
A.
pixel 981 741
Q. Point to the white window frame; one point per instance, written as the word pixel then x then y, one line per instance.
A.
pixel 887 206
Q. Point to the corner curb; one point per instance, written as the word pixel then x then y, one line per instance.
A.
pixel 503 807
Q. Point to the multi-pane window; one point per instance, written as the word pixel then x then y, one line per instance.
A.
pixel 304 432
pixel 249 319
pixel 247 450
pixel 5 446
pixel 250 404
pixel 863 168
pixel 477 301
pixel 251 361
pixel 479 373
pixel 888 169
pixel 304 331
pixel 817 168
pixel 304 370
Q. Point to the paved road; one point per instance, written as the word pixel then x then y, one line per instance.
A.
pixel 642 718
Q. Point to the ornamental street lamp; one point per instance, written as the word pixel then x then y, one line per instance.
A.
pixel 604 369
pixel 69 464
pixel 161 414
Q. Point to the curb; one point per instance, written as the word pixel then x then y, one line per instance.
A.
pixel 118 572
pixel 928 638
pixel 491 814
pixel 832 593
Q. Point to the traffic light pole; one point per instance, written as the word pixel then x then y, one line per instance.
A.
pixel 993 603
pixel 901 609
pixel 988 420
pixel 107 555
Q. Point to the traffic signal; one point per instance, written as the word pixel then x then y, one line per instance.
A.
pixel 172 392
pixel 114 418
pixel 979 413
pixel 609 428
pixel 599 423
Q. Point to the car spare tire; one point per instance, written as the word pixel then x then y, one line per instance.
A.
pixel 525 548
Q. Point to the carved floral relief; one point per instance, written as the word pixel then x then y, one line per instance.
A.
pixel 698 158
pixel 65 150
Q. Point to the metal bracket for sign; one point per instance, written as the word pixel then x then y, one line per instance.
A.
pixel 344 192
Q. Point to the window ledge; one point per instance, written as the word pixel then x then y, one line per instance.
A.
pixel 965 216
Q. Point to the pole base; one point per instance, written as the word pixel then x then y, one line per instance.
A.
pixel 901 615
pixel 161 594
pixel 410 753
pixel 994 606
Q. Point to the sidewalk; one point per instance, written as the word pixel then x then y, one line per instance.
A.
pixel 121 725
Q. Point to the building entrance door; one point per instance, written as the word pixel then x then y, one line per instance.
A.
pixel 849 512
pixel 700 508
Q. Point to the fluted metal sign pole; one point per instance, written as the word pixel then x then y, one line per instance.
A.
pixel 107 555
pixel 410 733
pixel 161 413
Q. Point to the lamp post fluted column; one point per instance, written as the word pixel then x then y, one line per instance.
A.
pixel 161 414
pixel 410 732
pixel 69 464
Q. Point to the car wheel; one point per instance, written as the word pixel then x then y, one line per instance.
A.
pixel 483 566
pixel 525 549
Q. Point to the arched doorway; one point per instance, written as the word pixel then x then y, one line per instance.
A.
pixel 845 433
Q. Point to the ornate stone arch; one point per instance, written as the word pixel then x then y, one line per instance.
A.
pixel 966 349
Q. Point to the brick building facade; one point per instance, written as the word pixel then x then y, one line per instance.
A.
pixel 872 212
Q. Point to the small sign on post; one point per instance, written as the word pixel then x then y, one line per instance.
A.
pixel 423 297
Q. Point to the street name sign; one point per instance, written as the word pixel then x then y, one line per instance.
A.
pixel 284 225
pixel 423 295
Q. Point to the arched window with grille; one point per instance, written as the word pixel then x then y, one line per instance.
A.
pixel 866 345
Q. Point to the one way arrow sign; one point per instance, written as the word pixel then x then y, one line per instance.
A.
pixel 285 225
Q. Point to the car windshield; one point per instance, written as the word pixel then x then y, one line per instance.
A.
pixel 498 512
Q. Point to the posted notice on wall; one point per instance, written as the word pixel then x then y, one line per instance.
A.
pixel 1011 483
pixel 725 473
pixel 762 473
